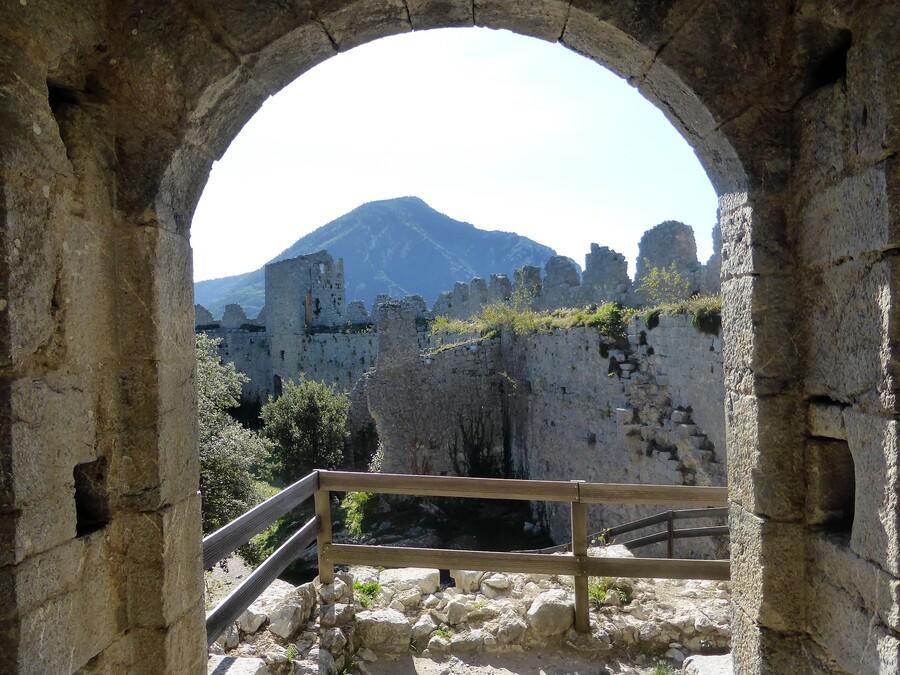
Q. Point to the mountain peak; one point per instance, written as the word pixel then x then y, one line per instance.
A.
pixel 399 247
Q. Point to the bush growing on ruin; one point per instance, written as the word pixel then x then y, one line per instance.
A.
pixel 228 451
pixel 664 285
pixel 307 428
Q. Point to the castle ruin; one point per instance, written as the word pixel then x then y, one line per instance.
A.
pixel 111 116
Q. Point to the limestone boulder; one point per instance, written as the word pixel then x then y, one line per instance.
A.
pixel 252 619
pixel 292 612
pixel 228 665
pixel 467 581
pixel 384 631
pixel 510 629
pixel 708 665
pixel 551 613
pixel 424 580
pixel 336 615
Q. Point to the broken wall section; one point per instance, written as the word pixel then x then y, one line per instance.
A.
pixel 571 404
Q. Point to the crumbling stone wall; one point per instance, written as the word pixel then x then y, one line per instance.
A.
pixel 111 115
pixel 564 405
pixel 426 406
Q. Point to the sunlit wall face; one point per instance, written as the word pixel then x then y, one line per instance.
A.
pixel 502 131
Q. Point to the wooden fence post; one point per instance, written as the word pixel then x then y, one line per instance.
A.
pixel 323 538
pixel 579 550
pixel 670 535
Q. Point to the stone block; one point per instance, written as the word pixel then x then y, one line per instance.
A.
pixel 53 429
pixel 765 454
pixel 424 14
pixel 424 580
pixel 826 420
pixel 834 564
pixel 231 665
pixel 164 562
pixel 756 649
pixel 56 593
pixel 768 570
pixel 544 20
pixel 761 347
pixel 846 220
pixel 351 26
pixel 852 361
pixel 753 236
pixel 875 448
pixel 855 639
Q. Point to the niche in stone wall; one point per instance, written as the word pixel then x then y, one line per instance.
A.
pixel 91 497
pixel 830 484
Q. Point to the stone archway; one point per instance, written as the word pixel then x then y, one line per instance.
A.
pixel 111 118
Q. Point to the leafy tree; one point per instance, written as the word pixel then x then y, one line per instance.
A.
pixel 664 285
pixel 307 427
pixel 228 451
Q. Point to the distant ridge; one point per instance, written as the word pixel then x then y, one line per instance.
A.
pixel 396 246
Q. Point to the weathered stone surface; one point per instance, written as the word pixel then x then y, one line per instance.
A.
pixel 826 420
pixel 767 569
pixel 551 613
pixel 875 446
pixel 336 615
pixel 383 631
pixel 467 581
pixel 252 619
pixel 708 665
pixel 289 615
pixel 424 580
pixel 231 665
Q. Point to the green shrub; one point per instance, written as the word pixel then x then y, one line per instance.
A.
pixel 307 428
pixel 228 452
pixel 664 284
pixel 366 592
pixel 357 509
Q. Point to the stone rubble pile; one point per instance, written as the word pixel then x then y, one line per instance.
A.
pixel 317 628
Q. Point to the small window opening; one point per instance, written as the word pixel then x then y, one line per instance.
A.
pixel 831 485
pixel 91 497
pixel 276 385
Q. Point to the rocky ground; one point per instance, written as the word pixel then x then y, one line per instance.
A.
pixel 372 621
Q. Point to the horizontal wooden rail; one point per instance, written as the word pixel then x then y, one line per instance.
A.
pixel 221 543
pixel 684 533
pixel 444 559
pixel 259 580
pixel 450 486
pixel 690 514
pixel 660 495
pixel 533 563
pixel 657 568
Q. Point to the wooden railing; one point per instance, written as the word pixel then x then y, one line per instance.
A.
pixel 320 484
pixel 669 536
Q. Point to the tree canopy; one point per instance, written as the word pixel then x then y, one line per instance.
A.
pixel 307 428
pixel 228 451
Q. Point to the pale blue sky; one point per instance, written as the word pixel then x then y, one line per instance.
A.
pixel 502 131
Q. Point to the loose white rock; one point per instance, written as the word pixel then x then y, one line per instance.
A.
pixel 384 631
pixel 236 666
pixel 551 613
pixel 425 580
pixel 252 619
pixel 467 581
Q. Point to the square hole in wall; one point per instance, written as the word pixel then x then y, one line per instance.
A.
pixel 91 497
